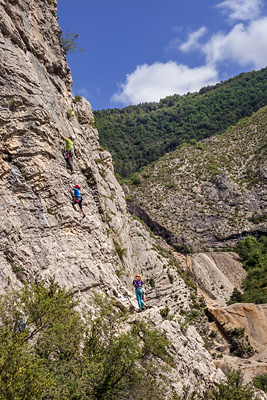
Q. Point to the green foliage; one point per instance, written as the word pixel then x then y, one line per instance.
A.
pixel 76 99
pixel 240 345
pixel 233 389
pixel 136 179
pixel 258 219
pixel 69 114
pixel 69 43
pixel 15 268
pixel 236 297
pixel 139 135
pixel 152 282
pixel 253 252
pixel 37 324
pixel 164 312
pixel 47 351
pixel 261 382
pixel 170 276
pixel 129 198
pixel 120 251
pixel 213 166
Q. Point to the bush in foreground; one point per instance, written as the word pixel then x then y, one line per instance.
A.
pixel 48 351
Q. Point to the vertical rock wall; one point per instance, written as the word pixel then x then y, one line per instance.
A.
pixel 41 233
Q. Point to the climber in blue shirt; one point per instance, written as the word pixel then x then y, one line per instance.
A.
pixel 78 199
pixel 77 192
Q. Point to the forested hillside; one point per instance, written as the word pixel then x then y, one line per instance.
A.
pixel 138 135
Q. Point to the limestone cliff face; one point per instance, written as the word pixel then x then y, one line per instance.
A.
pixel 41 235
pixel 244 325
pixel 250 317
pixel 216 275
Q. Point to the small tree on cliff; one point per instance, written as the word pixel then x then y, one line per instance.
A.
pixel 69 43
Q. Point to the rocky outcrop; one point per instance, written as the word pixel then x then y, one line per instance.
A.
pixel 241 329
pixel 194 373
pixel 248 319
pixel 178 243
pixel 216 275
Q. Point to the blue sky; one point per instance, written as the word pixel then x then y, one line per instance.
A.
pixel 145 50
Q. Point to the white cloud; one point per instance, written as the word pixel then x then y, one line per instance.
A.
pixel 174 44
pixel 242 10
pixel 192 41
pixel 243 45
pixel 156 81
pixel 82 91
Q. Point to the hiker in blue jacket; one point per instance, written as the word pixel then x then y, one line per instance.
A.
pixel 138 283
pixel 78 199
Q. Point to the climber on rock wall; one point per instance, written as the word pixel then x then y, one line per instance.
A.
pixel 138 283
pixel 78 199
pixel 69 146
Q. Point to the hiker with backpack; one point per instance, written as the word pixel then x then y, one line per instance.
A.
pixel 68 152
pixel 78 199
pixel 138 283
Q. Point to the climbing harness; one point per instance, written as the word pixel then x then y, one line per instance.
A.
pixel 68 155
pixel 78 200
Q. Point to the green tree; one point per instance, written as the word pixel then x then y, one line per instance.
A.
pixel 30 320
pixel 122 361
pixel 236 297
pixel 69 43
pixel 48 351
pixel 261 382
pixel 253 253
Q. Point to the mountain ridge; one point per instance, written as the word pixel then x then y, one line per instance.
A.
pixel 139 135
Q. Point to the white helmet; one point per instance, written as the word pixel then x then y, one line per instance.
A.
pixel 72 137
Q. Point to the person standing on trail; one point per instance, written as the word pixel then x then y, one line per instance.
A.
pixel 138 283
pixel 78 199
pixel 69 146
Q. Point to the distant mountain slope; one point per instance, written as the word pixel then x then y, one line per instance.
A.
pixel 210 193
pixel 138 135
